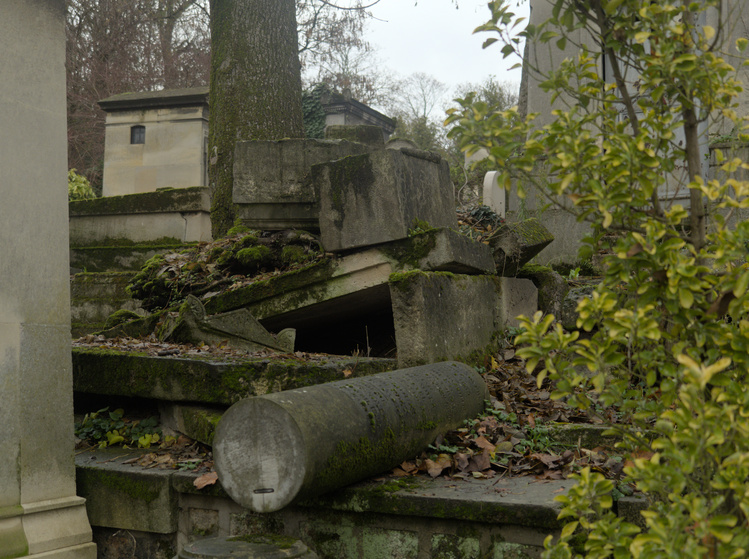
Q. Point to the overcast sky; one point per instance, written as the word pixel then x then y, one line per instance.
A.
pixel 436 38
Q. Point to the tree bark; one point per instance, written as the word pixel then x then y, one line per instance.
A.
pixel 256 88
pixel 273 449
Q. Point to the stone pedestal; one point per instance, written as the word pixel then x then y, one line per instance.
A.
pixel 39 512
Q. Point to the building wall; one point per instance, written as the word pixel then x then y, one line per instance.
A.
pixel 173 154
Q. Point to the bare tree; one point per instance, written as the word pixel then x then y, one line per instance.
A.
pixel 115 46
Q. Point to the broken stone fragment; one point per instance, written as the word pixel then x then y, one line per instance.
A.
pixel 552 287
pixel 515 244
pixel 237 329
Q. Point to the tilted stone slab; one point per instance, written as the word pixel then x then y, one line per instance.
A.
pixel 320 290
pixel 237 329
pixel 377 197
pixel 271 180
pixel 441 316
pixel 515 244
pixel 176 379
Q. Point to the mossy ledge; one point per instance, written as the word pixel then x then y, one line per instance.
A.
pixel 193 199
pixel 118 373
pixel 306 276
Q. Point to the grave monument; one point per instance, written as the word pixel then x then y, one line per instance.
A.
pixel 40 515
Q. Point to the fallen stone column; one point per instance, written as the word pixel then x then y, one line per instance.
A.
pixel 270 450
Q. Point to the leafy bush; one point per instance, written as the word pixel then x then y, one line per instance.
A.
pixel 78 187
pixel 668 332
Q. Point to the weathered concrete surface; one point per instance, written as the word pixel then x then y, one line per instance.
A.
pixel 191 380
pixel 515 244
pixel 40 514
pixel 274 449
pixel 552 287
pixel 180 214
pixel 451 519
pixel 377 197
pixel 94 297
pixel 128 498
pixel 444 316
pixel 271 180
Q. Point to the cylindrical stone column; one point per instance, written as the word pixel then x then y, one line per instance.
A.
pixel 270 450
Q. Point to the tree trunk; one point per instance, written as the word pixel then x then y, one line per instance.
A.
pixel 256 88
pixel 272 449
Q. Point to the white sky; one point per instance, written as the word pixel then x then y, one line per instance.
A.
pixel 435 38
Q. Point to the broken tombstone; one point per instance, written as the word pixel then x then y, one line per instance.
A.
pixel 378 197
pixel 515 244
pixel 271 180
pixel 238 329
pixel 440 316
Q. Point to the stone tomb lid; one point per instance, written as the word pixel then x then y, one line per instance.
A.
pixel 355 282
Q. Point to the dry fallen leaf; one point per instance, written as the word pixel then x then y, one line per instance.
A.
pixel 206 479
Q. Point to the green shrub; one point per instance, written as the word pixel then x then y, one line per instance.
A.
pixel 668 342
pixel 78 187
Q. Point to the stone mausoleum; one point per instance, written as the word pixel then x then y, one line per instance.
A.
pixel 159 139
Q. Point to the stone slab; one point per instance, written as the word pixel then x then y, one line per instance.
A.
pixel 354 283
pixel 515 244
pixel 116 258
pixel 179 214
pixel 271 180
pixel 441 316
pixel 177 379
pixel 517 297
pixel 124 496
pixel 377 197
pixel 94 297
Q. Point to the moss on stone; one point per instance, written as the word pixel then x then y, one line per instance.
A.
pixel 119 317
pixel 253 257
pixel 136 374
pixel 293 254
pixel 178 200
pixel 312 274
pixel 146 490
pixel 410 252
pixel 281 542
pixel 350 458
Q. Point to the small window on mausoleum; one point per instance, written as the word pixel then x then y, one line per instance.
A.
pixel 138 134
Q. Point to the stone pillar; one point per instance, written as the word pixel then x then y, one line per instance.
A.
pixel 40 514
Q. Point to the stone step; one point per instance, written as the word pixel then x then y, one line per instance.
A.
pixel 176 379
pixel 377 519
pixel 95 296
pixel 117 258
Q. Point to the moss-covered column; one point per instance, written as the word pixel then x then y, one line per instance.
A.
pixel 256 87
pixel 271 450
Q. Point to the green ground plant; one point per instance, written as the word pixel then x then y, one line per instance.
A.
pixel 667 329
pixel 105 428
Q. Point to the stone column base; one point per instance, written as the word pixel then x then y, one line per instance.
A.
pixel 56 528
